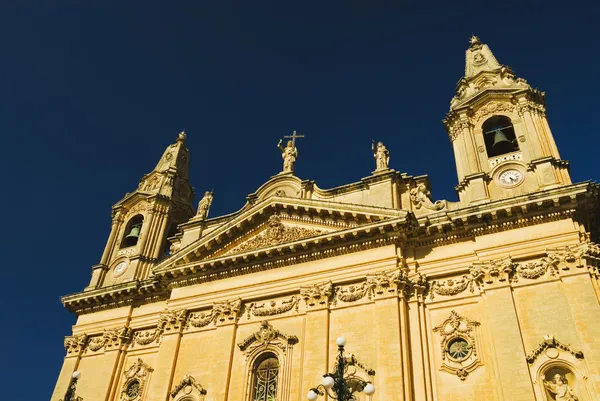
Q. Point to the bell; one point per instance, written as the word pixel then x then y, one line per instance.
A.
pixel 501 143
pixel 135 232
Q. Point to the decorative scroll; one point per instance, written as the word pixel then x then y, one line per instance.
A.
pixel 272 308
pixel 136 378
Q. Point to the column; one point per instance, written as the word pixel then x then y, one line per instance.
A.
pixel 74 346
pixel 226 316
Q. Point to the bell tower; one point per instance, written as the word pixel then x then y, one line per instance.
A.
pixel 502 142
pixel 144 219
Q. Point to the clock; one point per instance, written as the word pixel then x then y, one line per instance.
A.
pixel 120 268
pixel 510 177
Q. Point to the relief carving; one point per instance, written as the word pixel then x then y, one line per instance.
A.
pixel 550 342
pixel 451 286
pixel 276 233
pixel 317 295
pixel 136 378
pixel 200 319
pixel 75 344
pixel 458 345
pixel 273 307
pixel 493 108
pixel 352 293
pixel 110 339
pixel 266 336
pixel 187 385
pixel 227 311
pixel 172 320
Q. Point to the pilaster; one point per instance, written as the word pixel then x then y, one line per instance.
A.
pixel 316 334
pixel 173 323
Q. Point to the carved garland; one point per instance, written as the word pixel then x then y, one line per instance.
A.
pixel 271 308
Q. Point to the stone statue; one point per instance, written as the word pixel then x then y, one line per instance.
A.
pixel 289 155
pixel 421 197
pixel 382 156
pixel 204 205
pixel 559 388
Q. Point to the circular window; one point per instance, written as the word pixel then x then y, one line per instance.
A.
pixel 459 349
pixel 133 389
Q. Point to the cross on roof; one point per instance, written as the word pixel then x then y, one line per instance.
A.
pixel 294 136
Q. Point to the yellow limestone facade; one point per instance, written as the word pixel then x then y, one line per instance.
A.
pixel 493 297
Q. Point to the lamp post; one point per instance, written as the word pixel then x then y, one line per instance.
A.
pixel 341 385
pixel 70 394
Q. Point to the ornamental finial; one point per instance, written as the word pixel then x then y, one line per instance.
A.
pixel 181 137
pixel 474 40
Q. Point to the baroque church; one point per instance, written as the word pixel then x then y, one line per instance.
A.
pixel 493 297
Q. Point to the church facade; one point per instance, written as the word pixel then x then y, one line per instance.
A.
pixel 493 297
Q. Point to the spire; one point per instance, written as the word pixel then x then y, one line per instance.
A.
pixel 170 176
pixel 479 58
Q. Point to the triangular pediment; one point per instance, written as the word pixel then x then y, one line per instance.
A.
pixel 277 222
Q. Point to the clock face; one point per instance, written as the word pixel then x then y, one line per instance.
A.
pixel 120 268
pixel 510 177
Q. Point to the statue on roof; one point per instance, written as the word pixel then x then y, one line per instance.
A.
pixel 382 156
pixel 289 153
pixel 204 205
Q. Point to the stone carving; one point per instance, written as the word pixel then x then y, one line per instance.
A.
pixel 75 344
pixel 227 311
pixel 110 339
pixel 551 342
pixel 451 286
pixel 266 336
pixel 533 270
pixel 317 295
pixel 458 345
pixel 560 389
pixel 276 233
pixel 200 319
pixel 421 197
pixel 175 247
pixel 272 308
pixel 382 156
pixel 135 380
pixel 186 385
pixel 289 154
pixel 493 271
pixel 172 320
pixel 204 205
pixel 352 293
pixel 168 321
pixel 387 282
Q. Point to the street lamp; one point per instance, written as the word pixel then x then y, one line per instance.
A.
pixel 70 394
pixel 341 385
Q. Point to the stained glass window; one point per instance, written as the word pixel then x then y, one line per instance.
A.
pixel 265 379
pixel 459 349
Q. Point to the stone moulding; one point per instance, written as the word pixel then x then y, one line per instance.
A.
pixel 265 336
pixel 187 381
pixel 551 342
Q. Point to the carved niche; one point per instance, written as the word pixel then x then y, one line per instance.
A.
pixel 188 387
pixel 458 345
pixel 136 379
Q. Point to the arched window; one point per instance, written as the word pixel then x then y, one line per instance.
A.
pixel 499 136
pixel 265 374
pixel 132 231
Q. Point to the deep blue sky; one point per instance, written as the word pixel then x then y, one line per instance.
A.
pixel 90 95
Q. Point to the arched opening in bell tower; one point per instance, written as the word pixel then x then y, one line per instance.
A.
pixel 499 136
pixel 132 232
